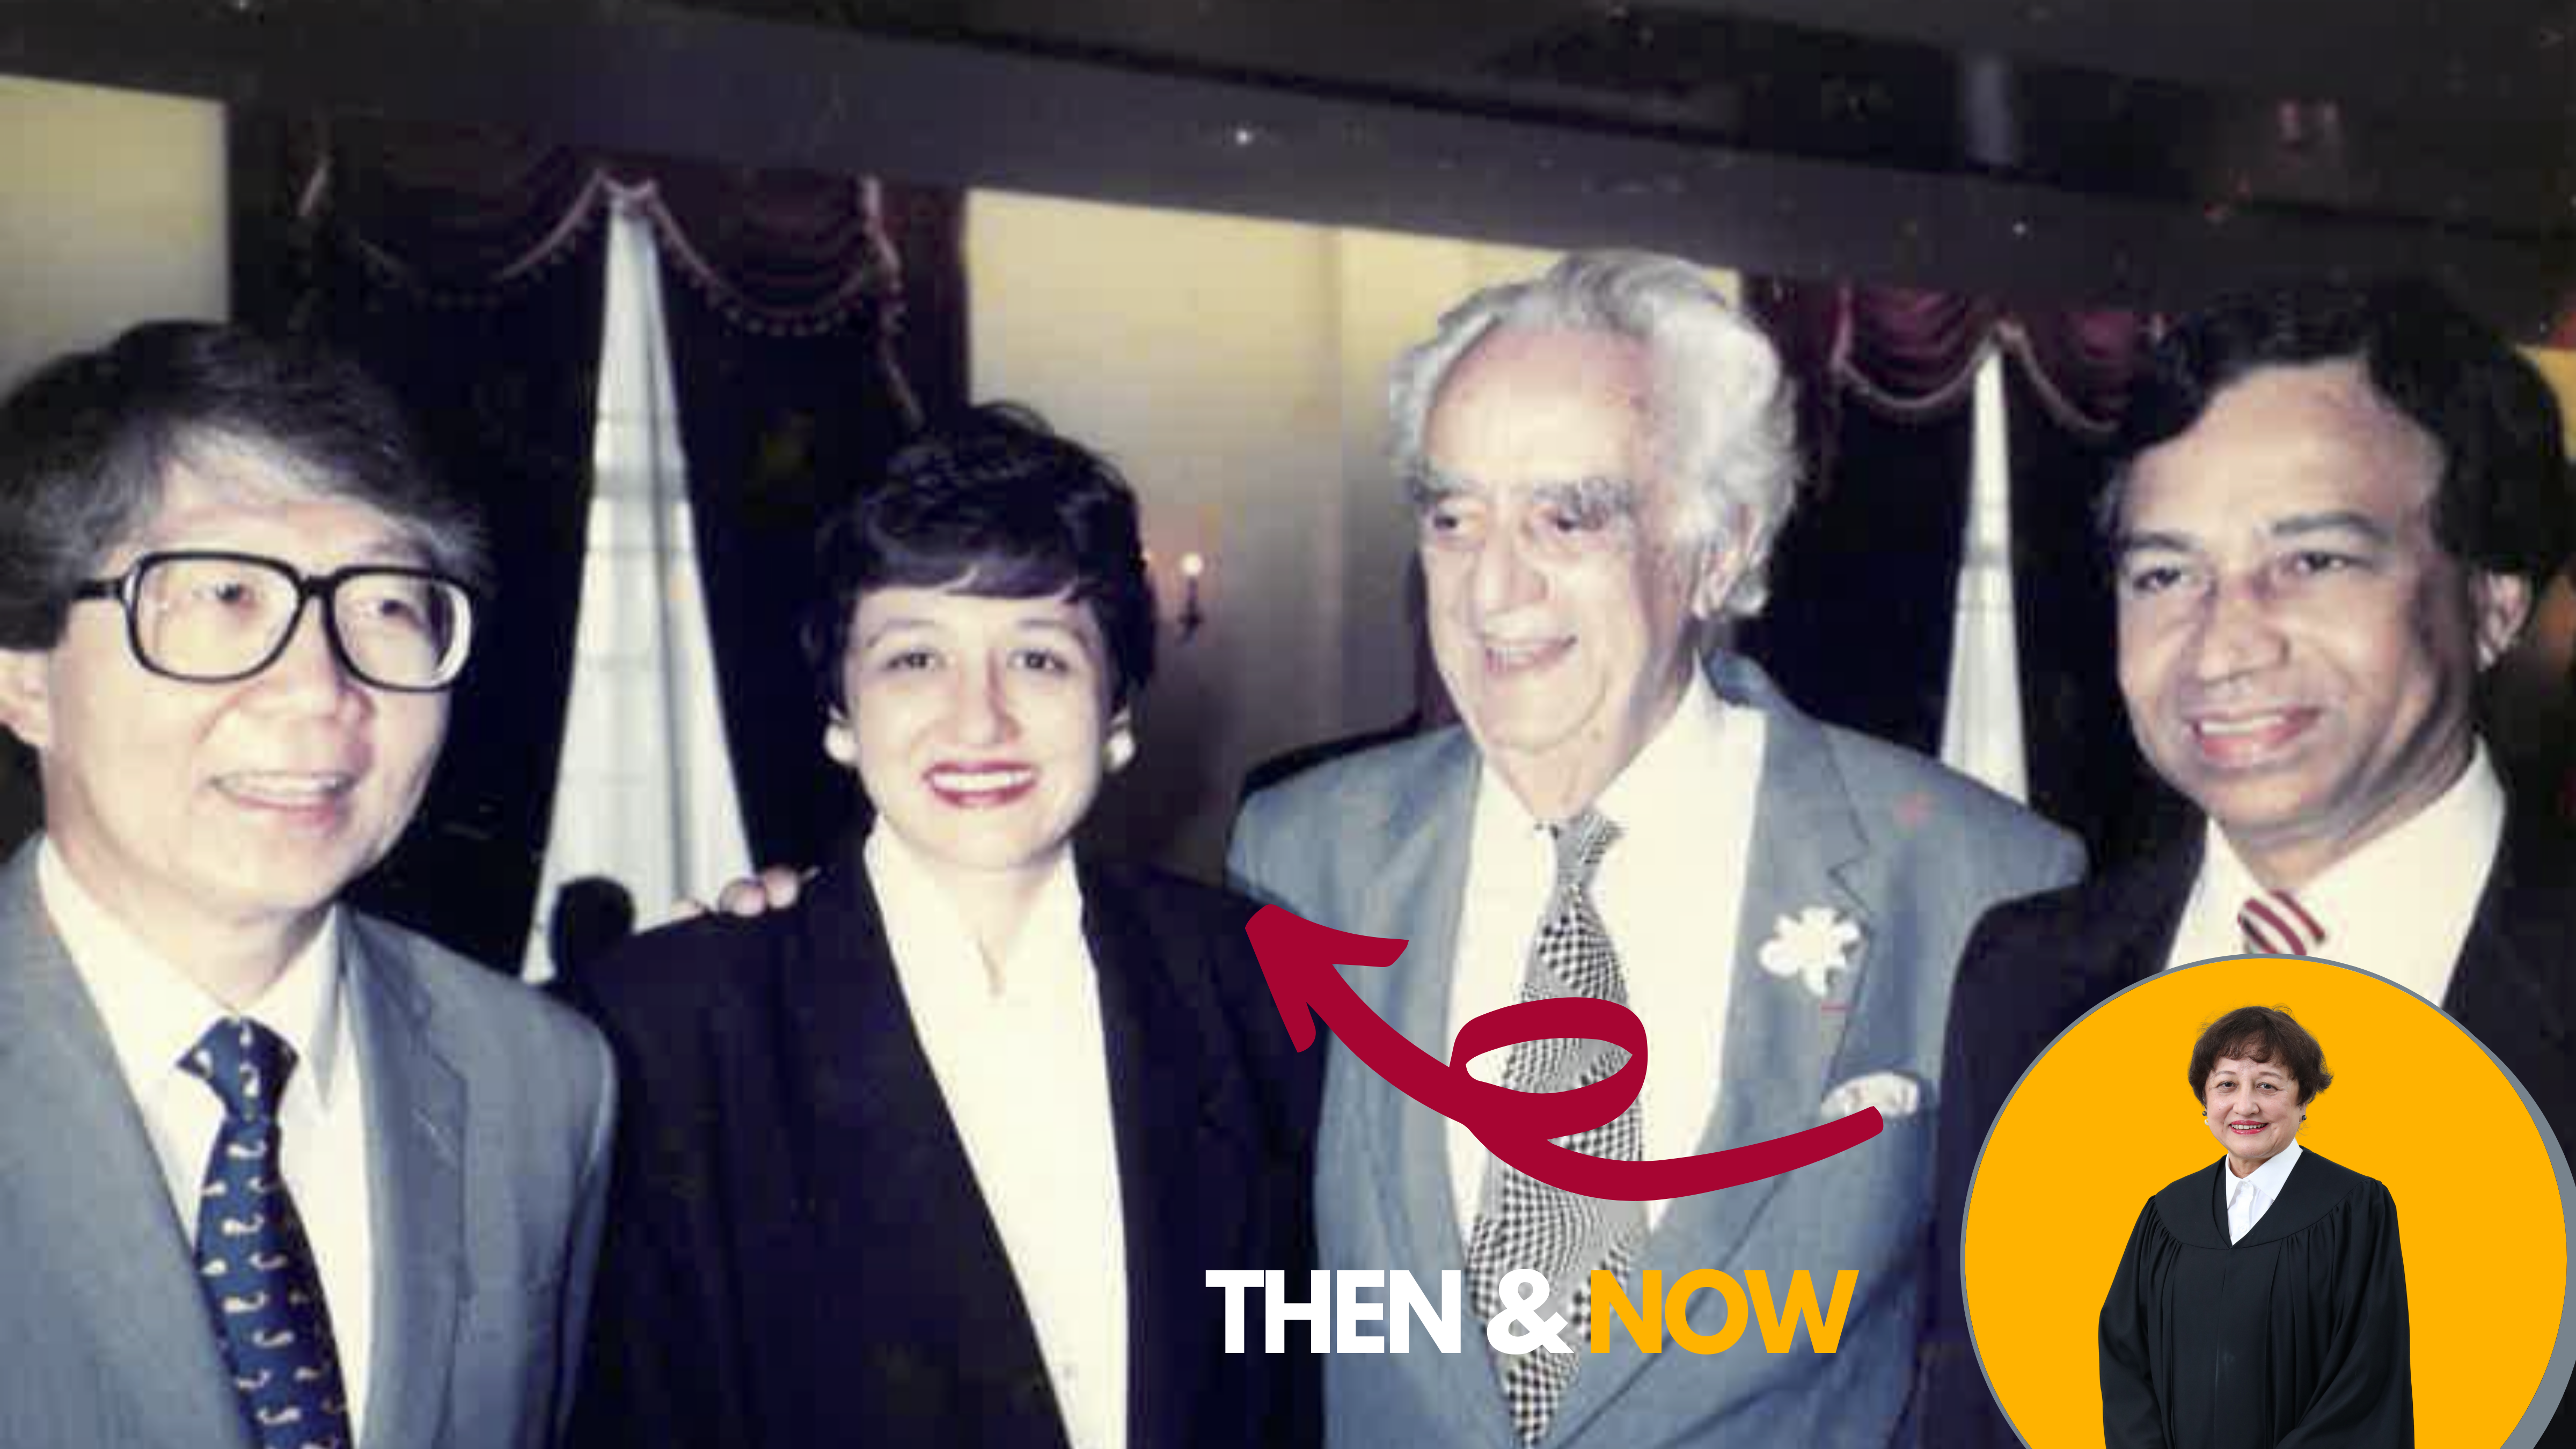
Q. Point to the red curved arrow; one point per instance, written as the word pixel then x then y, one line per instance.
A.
pixel 1300 960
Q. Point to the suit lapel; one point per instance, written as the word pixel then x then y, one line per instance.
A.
pixel 892 1177
pixel 84 1187
pixel 1180 1162
pixel 1781 1037
pixel 416 1137
pixel 2141 911
pixel 2510 987
pixel 1417 894
pixel 1417 890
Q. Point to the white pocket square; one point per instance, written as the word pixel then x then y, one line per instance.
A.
pixel 1894 1094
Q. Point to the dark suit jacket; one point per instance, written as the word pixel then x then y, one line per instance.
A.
pixel 798 1252
pixel 488 1111
pixel 2034 966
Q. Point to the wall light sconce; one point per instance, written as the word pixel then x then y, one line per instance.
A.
pixel 1193 568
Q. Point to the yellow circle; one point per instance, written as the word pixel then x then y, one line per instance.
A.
pixel 2106 1117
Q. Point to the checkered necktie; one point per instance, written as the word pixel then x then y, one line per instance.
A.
pixel 2275 924
pixel 252 1257
pixel 1524 1223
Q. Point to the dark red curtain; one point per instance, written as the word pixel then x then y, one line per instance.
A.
pixel 789 324
pixel 1860 624
pixel 812 319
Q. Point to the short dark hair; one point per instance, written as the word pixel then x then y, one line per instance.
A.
pixel 2501 505
pixel 994 504
pixel 87 441
pixel 2261 1034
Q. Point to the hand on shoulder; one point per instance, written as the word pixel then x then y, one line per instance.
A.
pixel 775 888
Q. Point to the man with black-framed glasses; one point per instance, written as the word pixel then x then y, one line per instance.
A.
pixel 212 616
pixel 275 1172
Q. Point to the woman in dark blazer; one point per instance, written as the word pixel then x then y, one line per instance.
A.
pixel 943 1154
pixel 2261 1301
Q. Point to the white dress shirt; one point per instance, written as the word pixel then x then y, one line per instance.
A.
pixel 1025 1073
pixel 154 1013
pixel 2399 906
pixel 1669 891
pixel 2247 1198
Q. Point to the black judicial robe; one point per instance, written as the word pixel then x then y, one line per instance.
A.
pixel 2294 1338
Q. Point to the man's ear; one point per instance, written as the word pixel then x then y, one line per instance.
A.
pixel 2499 605
pixel 1719 570
pixel 26 696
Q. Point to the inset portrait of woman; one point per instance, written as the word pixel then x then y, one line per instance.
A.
pixel 2360 1236
pixel 2261 1300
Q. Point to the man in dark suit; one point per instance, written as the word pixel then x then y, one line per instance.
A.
pixel 274 1172
pixel 1600 458
pixel 2337 508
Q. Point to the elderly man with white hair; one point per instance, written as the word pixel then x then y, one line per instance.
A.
pixel 1600 459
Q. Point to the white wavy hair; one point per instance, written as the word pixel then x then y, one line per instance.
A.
pixel 1725 413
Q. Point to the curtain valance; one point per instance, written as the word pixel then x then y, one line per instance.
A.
pixel 463 218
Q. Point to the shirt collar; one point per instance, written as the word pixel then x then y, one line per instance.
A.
pixel 1669 776
pixel 154 1012
pixel 918 913
pixel 2457 832
pixel 2265 1181
pixel 1656 789
pixel 2433 844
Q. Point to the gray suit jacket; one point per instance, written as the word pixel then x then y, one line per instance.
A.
pixel 488 1121
pixel 1907 851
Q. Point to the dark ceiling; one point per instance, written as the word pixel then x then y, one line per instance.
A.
pixel 2138 150
pixel 2366 106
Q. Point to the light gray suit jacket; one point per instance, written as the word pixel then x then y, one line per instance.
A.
pixel 1907 851
pixel 488 1121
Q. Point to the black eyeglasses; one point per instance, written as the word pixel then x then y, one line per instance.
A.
pixel 211 617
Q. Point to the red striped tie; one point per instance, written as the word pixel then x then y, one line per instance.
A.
pixel 2275 924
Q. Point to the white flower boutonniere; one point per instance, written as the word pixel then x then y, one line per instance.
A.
pixel 1811 946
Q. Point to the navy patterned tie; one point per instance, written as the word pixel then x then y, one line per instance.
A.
pixel 1525 1223
pixel 252 1257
